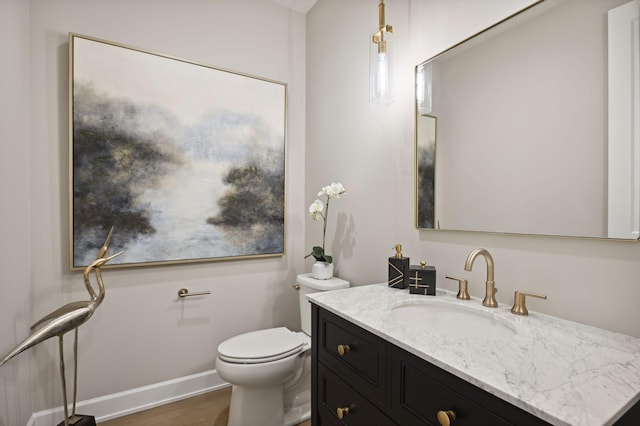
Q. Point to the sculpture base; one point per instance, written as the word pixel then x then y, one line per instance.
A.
pixel 80 420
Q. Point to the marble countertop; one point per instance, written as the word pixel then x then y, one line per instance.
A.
pixel 561 371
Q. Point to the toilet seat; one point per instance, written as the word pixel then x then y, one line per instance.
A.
pixel 261 346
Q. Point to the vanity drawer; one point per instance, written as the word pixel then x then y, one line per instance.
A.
pixel 421 389
pixel 364 364
pixel 334 394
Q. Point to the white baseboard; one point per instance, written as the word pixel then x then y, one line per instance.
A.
pixel 131 401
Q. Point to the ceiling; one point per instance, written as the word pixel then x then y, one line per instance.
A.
pixel 302 6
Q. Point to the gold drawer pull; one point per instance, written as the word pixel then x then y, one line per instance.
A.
pixel 343 349
pixel 342 411
pixel 445 418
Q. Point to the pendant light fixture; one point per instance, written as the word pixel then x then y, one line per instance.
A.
pixel 380 62
pixel 424 90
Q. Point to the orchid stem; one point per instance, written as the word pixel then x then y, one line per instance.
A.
pixel 324 227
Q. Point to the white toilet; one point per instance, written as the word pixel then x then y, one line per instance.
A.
pixel 270 370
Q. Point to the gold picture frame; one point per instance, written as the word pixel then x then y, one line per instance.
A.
pixel 185 160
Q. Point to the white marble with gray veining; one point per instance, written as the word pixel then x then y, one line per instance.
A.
pixel 561 371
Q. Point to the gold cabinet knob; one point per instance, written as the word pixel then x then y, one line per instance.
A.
pixel 342 411
pixel 343 349
pixel 445 418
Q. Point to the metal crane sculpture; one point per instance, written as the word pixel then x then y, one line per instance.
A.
pixel 66 318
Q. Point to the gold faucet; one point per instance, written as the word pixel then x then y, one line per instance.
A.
pixel 491 290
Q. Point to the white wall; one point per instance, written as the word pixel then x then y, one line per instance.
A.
pixel 370 150
pixel 142 333
pixel 15 257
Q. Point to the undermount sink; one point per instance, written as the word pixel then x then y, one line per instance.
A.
pixel 454 321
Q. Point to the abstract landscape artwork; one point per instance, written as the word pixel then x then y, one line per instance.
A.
pixel 185 160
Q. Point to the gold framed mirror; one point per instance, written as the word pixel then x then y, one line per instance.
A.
pixel 524 112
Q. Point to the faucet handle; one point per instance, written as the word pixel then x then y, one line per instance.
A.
pixel 519 306
pixel 463 294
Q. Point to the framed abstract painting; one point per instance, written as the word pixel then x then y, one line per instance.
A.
pixel 185 160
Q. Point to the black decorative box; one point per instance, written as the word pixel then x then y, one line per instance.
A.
pixel 422 279
pixel 398 269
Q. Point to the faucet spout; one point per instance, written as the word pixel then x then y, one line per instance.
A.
pixel 491 290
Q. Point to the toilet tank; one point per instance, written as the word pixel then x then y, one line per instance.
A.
pixel 308 284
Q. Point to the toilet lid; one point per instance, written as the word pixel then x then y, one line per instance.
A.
pixel 261 346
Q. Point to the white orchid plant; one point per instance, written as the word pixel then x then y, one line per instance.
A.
pixel 320 210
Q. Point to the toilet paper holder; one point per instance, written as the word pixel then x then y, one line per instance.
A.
pixel 183 292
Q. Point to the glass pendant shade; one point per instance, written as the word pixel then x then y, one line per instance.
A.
pixel 424 78
pixel 380 68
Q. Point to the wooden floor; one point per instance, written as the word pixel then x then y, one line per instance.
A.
pixel 209 409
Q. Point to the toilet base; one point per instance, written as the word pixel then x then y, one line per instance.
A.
pixel 297 397
pixel 297 414
pixel 264 407
pixel 256 406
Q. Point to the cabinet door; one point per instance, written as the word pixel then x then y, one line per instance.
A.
pixel 337 399
pixel 363 361
pixel 420 390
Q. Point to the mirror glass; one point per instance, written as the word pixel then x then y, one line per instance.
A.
pixel 538 125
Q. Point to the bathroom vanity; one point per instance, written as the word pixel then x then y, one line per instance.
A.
pixel 381 357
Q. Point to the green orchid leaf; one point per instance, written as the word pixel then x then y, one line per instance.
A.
pixel 318 252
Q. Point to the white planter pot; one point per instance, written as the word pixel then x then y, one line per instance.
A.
pixel 322 270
